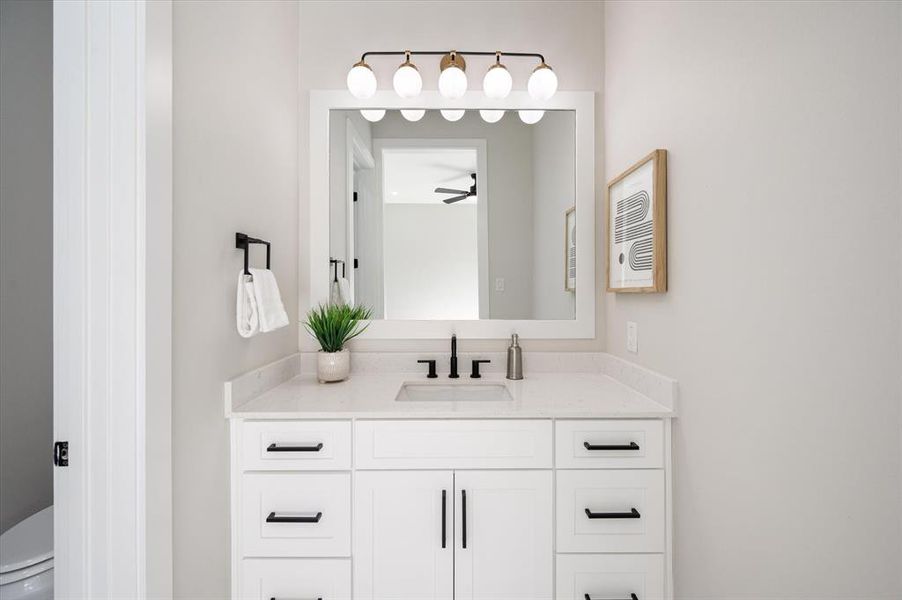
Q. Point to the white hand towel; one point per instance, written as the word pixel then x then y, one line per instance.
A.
pixel 340 292
pixel 270 310
pixel 246 307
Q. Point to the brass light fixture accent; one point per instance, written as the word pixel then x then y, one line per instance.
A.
pixel 452 59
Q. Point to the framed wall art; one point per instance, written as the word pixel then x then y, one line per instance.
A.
pixel 570 249
pixel 637 227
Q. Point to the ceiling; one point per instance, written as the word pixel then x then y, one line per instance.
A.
pixel 410 175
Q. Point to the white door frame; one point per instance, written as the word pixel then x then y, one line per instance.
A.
pixel 358 157
pixel 112 202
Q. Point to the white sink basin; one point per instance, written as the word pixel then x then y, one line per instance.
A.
pixel 449 392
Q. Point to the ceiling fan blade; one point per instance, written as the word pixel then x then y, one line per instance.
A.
pixel 441 190
pixel 455 199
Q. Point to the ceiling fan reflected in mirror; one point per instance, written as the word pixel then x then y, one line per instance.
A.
pixel 459 194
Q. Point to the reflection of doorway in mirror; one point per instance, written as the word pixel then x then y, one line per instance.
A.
pixel 430 230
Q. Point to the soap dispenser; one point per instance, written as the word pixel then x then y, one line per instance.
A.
pixel 515 359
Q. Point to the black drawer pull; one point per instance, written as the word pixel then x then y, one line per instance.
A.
pixel 632 514
pixel 274 598
pixel 273 518
pixel 630 446
pixel 277 448
pixel 632 597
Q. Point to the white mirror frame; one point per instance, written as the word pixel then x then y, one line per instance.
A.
pixel 317 223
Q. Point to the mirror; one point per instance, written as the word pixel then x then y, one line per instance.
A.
pixel 435 219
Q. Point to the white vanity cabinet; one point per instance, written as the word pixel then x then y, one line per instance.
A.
pixel 451 509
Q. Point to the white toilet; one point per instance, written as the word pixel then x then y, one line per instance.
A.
pixel 26 559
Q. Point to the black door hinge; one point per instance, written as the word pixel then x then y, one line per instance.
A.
pixel 355 196
pixel 355 263
pixel 61 454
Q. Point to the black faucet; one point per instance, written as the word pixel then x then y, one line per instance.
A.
pixel 453 374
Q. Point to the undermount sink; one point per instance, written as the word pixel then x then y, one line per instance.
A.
pixel 462 392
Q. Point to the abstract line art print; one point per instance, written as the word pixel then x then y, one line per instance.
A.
pixel 636 227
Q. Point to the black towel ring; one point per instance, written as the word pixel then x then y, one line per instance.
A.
pixel 243 242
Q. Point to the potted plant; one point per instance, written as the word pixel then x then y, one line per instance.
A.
pixel 333 326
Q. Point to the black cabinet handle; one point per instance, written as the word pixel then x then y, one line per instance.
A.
pixel 274 447
pixel 463 512
pixel 632 597
pixel 630 446
pixel 633 514
pixel 273 518
pixel 274 598
pixel 444 518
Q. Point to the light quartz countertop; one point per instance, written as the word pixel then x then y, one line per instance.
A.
pixel 372 396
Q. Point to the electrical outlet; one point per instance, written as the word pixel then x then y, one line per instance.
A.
pixel 499 284
pixel 632 337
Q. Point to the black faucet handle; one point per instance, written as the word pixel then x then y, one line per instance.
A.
pixel 432 372
pixel 475 374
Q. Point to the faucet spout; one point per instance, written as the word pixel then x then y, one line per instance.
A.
pixel 453 374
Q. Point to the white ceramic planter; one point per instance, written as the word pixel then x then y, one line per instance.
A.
pixel 332 366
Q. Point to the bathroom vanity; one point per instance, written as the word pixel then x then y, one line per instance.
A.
pixel 376 489
pixel 396 486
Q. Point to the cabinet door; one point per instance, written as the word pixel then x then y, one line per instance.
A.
pixel 503 535
pixel 400 522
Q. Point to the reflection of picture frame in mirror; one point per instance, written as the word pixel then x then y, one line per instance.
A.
pixel 570 249
pixel 637 227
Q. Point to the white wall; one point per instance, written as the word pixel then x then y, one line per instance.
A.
pixel 554 192
pixel 431 261
pixel 235 169
pixel 782 319
pixel 26 259
pixel 334 34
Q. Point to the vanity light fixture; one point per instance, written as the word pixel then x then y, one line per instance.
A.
pixel 361 81
pixel 531 117
pixel 497 82
pixel 407 81
pixel 491 116
pixel 452 82
pixel 413 114
pixel 453 115
pixel 373 115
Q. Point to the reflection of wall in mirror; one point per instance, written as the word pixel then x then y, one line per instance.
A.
pixel 554 169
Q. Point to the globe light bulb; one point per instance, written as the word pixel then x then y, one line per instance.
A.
pixel 542 83
pixel 452 82
pixel 373 115
pixel 407 81
pixel 361 81
pixel 531 117
pixel 497 82
pixel 453 115
pixel 413 114
pixel 491 116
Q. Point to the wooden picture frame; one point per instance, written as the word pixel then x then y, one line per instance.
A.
pixel 636 227
pixel 570 249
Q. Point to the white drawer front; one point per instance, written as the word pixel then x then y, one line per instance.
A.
pixel 627 511
pixel 296 445
pixel 291 503
pixel 609 444
pixel 293 579
pixel 446 444
pixel 610 576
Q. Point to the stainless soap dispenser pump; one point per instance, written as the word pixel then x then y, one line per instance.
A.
pixel 515 359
